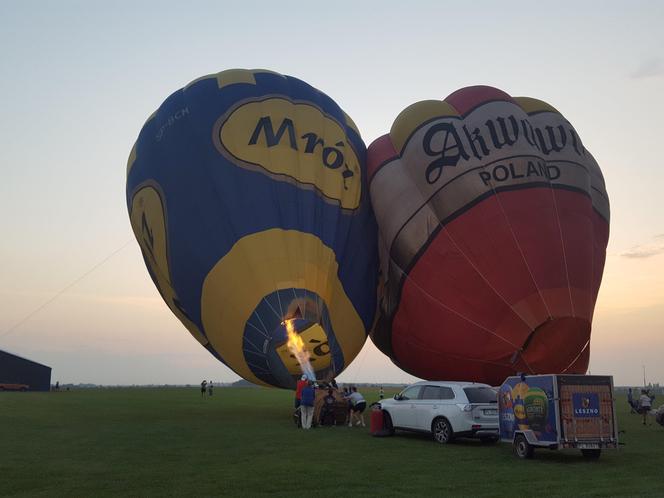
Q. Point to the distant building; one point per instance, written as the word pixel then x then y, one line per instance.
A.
pixel 17 370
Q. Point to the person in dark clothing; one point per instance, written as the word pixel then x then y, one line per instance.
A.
pixel 326 416
pixel 630 401
pixel 203 388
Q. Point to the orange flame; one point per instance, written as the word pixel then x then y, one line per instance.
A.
pixel 295 342
pixel 298 349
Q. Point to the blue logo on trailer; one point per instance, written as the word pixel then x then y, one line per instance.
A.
pixel 585 404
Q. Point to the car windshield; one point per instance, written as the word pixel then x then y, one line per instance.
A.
pixel 480 395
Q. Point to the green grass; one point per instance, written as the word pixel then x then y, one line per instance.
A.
pixel 242 442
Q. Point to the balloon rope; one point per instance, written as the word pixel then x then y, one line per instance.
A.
pixel 562 247
pixel 62 291
pixel 518 245
pixel 444 306
pixel 587 345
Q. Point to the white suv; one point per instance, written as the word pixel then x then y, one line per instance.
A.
pixel 445 409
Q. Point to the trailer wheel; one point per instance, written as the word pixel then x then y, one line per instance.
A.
pixel 522 448
pixel 591 454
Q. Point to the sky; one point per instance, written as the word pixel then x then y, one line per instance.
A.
pixel 79 79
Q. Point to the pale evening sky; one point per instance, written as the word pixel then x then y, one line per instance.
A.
pixel 78 80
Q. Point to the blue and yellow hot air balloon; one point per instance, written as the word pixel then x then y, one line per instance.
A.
pixel 247 194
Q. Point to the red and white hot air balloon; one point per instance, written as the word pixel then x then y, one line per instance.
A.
pixel 493 224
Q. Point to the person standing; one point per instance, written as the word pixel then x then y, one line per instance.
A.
pixel 358 404
pixel 349 405
pixel 203 388
pixel 645 404
pixel 381 393
pixel 209 388
pixel 630 400
pixel 298 390
pixel 307 404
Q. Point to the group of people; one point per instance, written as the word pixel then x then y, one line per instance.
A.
pixel 641 405
pixel 206 387
pixel 305 400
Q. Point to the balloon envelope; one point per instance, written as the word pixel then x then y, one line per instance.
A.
pixel 493 224
pixel 247 194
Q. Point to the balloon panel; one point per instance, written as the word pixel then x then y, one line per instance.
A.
pixel 247 194
pixel 493 221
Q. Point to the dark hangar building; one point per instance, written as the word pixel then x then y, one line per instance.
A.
pixel 17 370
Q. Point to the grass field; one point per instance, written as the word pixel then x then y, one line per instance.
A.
pixel 242 442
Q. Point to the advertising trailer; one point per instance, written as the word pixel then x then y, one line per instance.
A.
pixel 558 412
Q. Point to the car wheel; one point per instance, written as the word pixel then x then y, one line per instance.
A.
pixel 442 431
pixel 522 448
pixel 592 454
pixel 387 424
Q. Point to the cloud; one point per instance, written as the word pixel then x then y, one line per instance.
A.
pixel 648 250
pixel 650 68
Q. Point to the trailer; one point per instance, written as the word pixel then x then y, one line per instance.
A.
pixel 558 412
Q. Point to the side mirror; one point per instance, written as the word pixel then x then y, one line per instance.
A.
pixel 397 397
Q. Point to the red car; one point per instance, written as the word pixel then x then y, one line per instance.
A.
pixel 14 387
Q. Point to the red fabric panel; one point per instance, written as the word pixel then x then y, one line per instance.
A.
pixel 379 152
pixel 493 276
pixel 465 99
pixel 601 240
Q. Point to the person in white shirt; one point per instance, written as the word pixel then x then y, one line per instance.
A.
pixel 358 404
pixel 645 404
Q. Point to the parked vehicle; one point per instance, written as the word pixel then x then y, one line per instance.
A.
pixel 447 410
pixel 13 387
pixel 557 412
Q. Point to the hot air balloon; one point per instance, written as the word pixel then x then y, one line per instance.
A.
pixel 493 224
pixel 247 194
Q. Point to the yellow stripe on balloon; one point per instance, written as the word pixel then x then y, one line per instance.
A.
pixel 352 124
pixel 413 116
pixel 148 221
pixel 531 105
pixel 234 76
pixel 239 281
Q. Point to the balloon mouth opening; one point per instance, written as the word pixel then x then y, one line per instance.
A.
pixel 554 347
